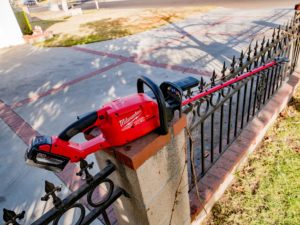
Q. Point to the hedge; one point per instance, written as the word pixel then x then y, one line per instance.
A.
pixel 23 22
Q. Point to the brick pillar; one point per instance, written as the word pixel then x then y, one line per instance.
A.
pixel 153 171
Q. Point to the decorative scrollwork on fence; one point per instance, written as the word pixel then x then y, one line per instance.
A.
pixel 91 187
pixel 262 84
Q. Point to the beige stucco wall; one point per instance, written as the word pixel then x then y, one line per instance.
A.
pixel 158 189
pixel 10 33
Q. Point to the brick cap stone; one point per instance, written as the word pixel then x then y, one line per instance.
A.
pixel 137 152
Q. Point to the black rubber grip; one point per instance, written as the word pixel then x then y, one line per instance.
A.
pixel 187 83
pixel 78 126
pixel 163 129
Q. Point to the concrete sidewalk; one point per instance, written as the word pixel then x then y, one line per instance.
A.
pixel 44 89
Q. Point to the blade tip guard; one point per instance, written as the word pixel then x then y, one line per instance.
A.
pixel 281 60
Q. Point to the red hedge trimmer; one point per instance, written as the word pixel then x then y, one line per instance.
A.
pixel 115 124
pixel 122 121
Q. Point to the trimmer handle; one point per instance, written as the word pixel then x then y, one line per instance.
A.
pixel 81 125
pixel 163 129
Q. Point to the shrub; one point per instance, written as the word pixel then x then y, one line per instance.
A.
pixel 23 22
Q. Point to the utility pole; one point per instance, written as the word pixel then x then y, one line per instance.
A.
pixel 53 5
pixel 64 5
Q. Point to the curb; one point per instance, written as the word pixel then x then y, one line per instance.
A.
pixel 237 154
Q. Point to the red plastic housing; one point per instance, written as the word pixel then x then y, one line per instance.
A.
pixel 120 121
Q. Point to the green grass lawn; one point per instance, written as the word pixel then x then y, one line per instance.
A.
pixel 267 189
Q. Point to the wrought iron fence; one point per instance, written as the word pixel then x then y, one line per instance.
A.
pixel 218 118
pixel 97 204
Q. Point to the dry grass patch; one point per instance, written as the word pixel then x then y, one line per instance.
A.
pixel 45 24
pixel 116 27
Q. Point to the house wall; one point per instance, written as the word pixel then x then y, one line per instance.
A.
pixel 10 33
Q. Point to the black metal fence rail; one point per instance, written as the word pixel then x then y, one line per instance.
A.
pixel 97 204
pixel 219 118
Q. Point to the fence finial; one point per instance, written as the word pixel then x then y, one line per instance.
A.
pixel 291 28
pixel 280 45
pixel 84 170
pixel 278 32
pixel 10 217
pixel 286 27
pixel 202 84
pixel 232 68
pixel 213 78
pixel 249 53
pixel 241 59
pixel 268 43
pixel 269 50
pixel 223 71
pixel 50 190
pixel 263 44
pixel 290 23
pixel 273 35
pixel 255 48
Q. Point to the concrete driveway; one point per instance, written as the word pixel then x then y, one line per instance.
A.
pixel 42 90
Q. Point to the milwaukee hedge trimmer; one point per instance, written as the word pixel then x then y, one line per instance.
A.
pixel 123 120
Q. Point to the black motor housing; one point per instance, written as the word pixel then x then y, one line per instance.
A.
pixel 173 93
